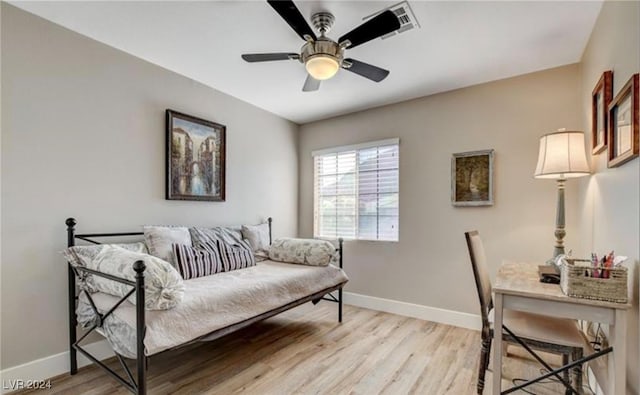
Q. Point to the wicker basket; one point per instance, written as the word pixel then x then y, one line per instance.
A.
pixel 576 283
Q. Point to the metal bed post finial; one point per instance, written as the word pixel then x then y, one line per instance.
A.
pixel 73 355
pixel 71 226
pixel 269 220
pixel 141 358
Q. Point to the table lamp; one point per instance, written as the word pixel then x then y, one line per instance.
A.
pixel 561 156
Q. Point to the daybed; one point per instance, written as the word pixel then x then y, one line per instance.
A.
pixel 212 306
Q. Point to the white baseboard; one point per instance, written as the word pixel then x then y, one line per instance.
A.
pixel 53 365
pixel 449 317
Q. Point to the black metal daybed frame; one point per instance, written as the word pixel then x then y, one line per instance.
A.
pixel 139 386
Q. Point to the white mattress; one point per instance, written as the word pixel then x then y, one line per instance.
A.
pixel 211 303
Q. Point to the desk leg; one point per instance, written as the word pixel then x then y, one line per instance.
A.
pixel 618 361
pixel 497 345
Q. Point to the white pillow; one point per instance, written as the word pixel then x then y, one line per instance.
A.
pixel 304 251
pixel 163 285
pixel 258 238
pixel 159 240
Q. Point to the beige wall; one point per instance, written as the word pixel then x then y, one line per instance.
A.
pixel 83 134
pixel 609 201
pixel 429 265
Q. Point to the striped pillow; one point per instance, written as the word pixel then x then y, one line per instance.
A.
pixel 238 256
pixel 202 236
pixel 194 262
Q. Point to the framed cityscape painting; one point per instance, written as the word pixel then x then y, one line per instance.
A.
pixel 472 178
pixel 195 158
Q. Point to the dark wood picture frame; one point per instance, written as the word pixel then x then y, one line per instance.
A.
pixel 600 100
pixel 194 172
pixel 624 138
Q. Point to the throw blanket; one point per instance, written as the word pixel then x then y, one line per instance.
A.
pixel 211 303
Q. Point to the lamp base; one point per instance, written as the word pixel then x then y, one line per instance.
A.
pixel 558 249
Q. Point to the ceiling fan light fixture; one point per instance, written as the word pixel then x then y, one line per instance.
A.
pixel 322 67
pixel 322 56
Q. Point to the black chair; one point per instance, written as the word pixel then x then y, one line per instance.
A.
pixel 539 332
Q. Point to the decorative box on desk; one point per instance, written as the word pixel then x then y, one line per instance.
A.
pixel 576 281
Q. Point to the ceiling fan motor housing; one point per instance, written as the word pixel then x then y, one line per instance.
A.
pixel 322 47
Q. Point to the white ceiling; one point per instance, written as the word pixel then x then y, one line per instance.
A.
pixel 459 44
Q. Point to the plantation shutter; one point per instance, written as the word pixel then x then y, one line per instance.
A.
pixel 356 191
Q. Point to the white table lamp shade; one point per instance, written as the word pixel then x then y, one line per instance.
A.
pixel 562 155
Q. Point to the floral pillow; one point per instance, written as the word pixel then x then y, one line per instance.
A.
pixel 303 251
pixel 84 255
pixel 164 287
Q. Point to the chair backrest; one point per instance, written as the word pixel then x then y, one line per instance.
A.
pixel 481 274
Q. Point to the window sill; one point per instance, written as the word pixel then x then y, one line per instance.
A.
pixel 351 240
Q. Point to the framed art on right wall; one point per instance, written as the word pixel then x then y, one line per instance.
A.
pixel 623 124
pixel 600 100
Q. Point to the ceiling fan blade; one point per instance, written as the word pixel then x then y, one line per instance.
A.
pixel 311 84
pixel 290 13
pixel 366 70
pixel 268 57
pixel 380 25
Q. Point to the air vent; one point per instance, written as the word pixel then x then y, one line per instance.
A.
pixel 405 15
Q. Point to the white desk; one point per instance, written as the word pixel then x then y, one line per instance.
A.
pixel 517 288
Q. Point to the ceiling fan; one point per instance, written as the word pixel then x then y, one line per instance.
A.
pixel 322 56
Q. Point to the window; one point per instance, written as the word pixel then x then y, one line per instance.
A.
pixel 356 191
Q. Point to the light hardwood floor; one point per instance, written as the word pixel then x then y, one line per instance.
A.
pixel 306 351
